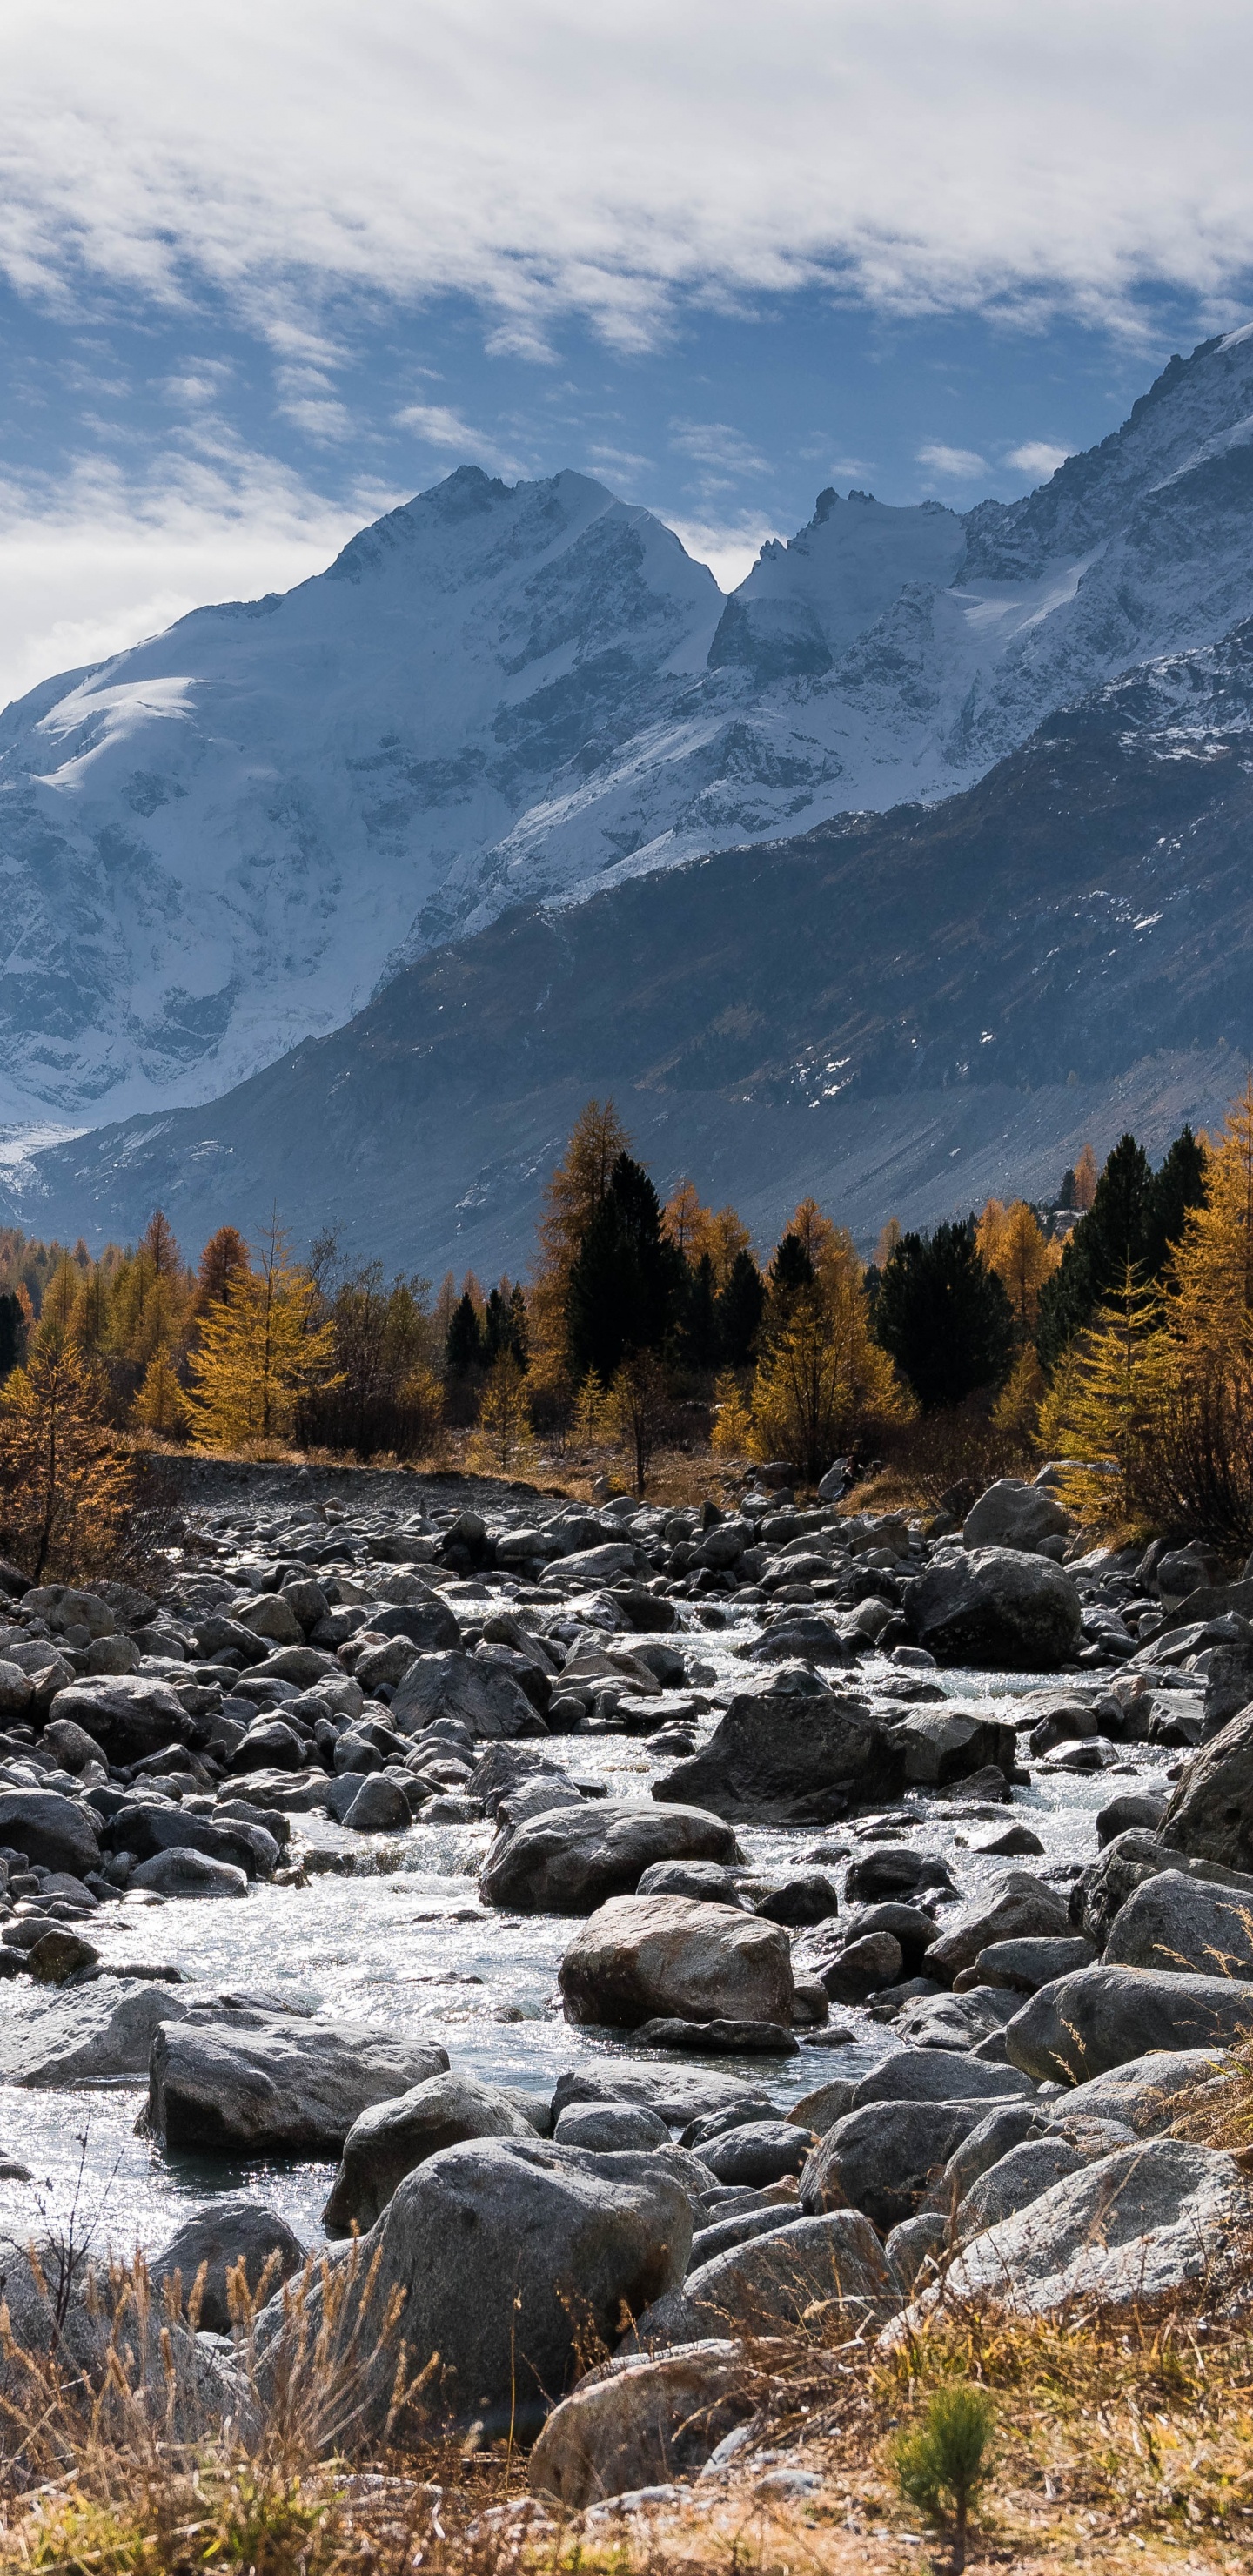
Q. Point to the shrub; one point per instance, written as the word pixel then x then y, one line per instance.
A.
pixel 944 2464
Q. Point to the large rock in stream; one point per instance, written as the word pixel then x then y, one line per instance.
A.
pixel 508 2254
pixel 1086 2024
pixel 995 1606
pixel 570 1858
pixel 644 1958
pixel 486 1699
pixel 778 1758
pixel 393 2137
pixel 1210 1816
pixel 53 1831
pixel 126 1715
pixel 288 2088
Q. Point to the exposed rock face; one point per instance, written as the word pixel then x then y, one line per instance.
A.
pixel 1086 2024
pixel 505 2253
pixel 783 1760
pixel 568 1859
pixel 995 1606
pixel 287 2089
pixel 673 1957
pixel 1210 1815
pixel 391 2137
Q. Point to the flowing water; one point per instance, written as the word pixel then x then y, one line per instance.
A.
pixel 403 1942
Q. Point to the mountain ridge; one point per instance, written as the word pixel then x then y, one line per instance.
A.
pixel 231 836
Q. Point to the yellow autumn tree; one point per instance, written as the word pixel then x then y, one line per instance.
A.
pixel 1013 1245
pixel 575 1191
pixel 696 1231
pixel 66 1482
pixel 1103 1419
pixel 503 1444
pixel 824 1379
pixel 732 1432
pixel 1016 1411
pixel 1087 1174
pixel 259 1348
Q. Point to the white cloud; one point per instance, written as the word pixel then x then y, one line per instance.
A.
pixel 435 425
pixel 730 548
pixel 545 158
pixel 1038 458
pixel 715 444
pixel 100 562
pixel 956 464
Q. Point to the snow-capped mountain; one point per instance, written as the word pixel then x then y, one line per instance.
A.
pixel 224 840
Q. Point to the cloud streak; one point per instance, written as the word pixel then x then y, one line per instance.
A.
pixel 547 160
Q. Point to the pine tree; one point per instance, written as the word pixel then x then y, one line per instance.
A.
pixel 464 1347
pixel 160 1404
pixel 1011 1244
pixel 823 1382
pixel 1113 1234
pixel 700 1339
pixel 1178 1187
pixel 223 1260
pixel 944 1316
pixel 12 1331
pixel 627 1282
pixel 1086 1177
pixel 571 1201
pixel 1117 1382
pixel 1212 1271
pixel 741 1305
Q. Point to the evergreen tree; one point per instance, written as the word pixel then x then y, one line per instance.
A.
pixel 1066 1195
pixel 503 1445
pixel 12 1331
pixel 944 1316
pixel 504 1325
pixel 224 1259
pixel 1178 1186
pixel 700 1340
pixel 791 1272
pixel 464 1347
pixel 1112 1236
pixel 627 1282
pixel 741 1305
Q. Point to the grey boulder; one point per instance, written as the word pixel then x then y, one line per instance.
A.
pixel 1146 2093
pixel 882 2158
pixel 1012 1514
pixel 183 1872
pixel 641 2421
pixel 1177 1922
pixel 102 2034
pixel 486 1700
pixel 1136 2225
pixel 1088 2023
pixel 790 1759
pixel 995 1606
pixel 49 1829
pixel 609 2128
pixel 390 2138
pixel 569 1859
pixel 944 1745
pixel 937 2075
pixel 1210 1816
pixel 284 2089
pixel 507 2255
pixel 1023 1908
pixel 1024 2174
pixel 1025 1965
pixel 832 2261
pixel 642 1958
pixel 221 2236
pixel 129 1717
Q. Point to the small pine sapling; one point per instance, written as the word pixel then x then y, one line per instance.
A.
pixel 941 2467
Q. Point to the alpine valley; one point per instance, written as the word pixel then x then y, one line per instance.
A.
pixel 892 876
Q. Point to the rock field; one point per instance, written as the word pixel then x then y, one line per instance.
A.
pixel 684 1917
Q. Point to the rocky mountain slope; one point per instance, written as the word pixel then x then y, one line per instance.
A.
pixel 901 1012
pixel 222 841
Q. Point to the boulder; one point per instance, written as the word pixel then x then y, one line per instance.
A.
pixel 1143 2095
pixel 288 2088
pixel 915 2246
pixel 1210 1815
pixel 506 1767
pixel 1102 1889
pixel 1137 2225
pixel 1021 2176
pixel 1085 2024
pixel 1006 2126
pixel 379 1807
pixel 1024 1966
pixel 1011 1514
pixel 509 2255
pixel 707 1879
pixel 882 2158
pixel 222 2235
pixel 592 1566
pixel 389 2139
pixel 719 2038
pixel 59 1955
pixel 778 2282
pixel 1141 1809
pixel 807 1897
pixel 790 1759
pixel 680 2097
pixel 892 1869
pixel 765 2151
pixel 71 1747
pixel 152 1826
pixel 183 1872
pixel 128 1715
pixel 609 2128
pixel 16 1690
pixel 53 1831
pixel 485 1700
pixel 909 1925
pixel 101 2034
pixel 641 1958
pixel 995 1606
pixel 642 2421
pixel 427 1623
pixel 1023 1908
pixel 569 1859
pixel 64 1608
pixel 1175 1921
pixel 943 1745
pixel 936 2075
pixel 862 1967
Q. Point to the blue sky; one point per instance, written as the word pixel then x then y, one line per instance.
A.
pixel 264 273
